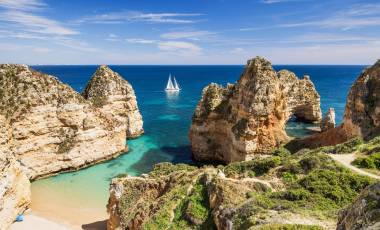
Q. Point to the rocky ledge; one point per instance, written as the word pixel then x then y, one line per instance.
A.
pixel 232 123
pixel 304 190
pixel 361 116
pixel 50 128
pixel 14 184
pixel 364 213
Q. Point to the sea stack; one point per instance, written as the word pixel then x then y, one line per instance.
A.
pixel 232 123
pixel 115 97
pixel 52 128
pixel 361 115
pixel 328 121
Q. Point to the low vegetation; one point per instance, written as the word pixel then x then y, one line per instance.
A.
pixel 308 184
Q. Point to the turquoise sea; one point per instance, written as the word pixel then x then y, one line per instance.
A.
pixel 167 118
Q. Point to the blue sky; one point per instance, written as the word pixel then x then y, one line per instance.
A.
pixel 189 32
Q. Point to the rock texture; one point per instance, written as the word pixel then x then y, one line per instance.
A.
pixel 328 122
pixel 276 192
pixel 115 97
pixel 364 213
pixel 51 128
pixel 232 123
pixel 361 116
pixel 14 184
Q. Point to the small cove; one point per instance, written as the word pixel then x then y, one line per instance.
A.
pixel 167 118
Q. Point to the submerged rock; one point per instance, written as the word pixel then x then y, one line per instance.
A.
pixel 364 213
pixel 52 128
pixel 328 122
pixel 114 96
pixel 249 117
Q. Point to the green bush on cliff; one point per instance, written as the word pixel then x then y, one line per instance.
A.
pixel 370 162
pixel 256 167
pixel 165 168
pixel 349 146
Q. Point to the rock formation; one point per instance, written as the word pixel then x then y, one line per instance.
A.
pixel 52 128
pixel 361 116
pixel 328 122
pixel 277 192
pixel 232 123
pixel 114 96
pixel 14 184
pixel 364 213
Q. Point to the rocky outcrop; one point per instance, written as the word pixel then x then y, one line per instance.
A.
pixel 249 117
pixel 364 213
pixel 361 116
pixel 277 192
pixel 51 128
pixel 14 184
pixel 328 121
pixel 115 97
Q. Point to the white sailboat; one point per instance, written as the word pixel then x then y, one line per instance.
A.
pixel 172 87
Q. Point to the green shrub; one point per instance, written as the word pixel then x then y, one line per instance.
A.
pixel 349 146
pixel 309 163
pixel 368 162
pixel 281 152
pixel 364 162
pixel 252 168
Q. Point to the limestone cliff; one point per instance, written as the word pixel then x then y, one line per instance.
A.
pixel 114 96
pixel 361 116
pixel 52 128
pixel 230 124
pixel 282 191
pixel 14 184
pixel 364 213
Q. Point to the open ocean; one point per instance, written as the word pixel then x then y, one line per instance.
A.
pixel 167 119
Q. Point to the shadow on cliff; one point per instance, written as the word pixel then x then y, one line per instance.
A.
pixel 98 225
pixel 179 154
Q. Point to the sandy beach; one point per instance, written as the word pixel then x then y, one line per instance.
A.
pixel 36 221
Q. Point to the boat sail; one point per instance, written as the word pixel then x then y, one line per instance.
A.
pixel 176 86
pixel 172 87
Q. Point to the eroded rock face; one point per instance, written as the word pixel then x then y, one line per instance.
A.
pixel 14 184
pixel 249 117
pixel 361 116
pixel 115 97
pixel 328 121
pixel 364 213
pixel 52 128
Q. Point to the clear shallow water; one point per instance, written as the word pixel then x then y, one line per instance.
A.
pixel 167 118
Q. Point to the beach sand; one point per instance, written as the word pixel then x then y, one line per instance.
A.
pixel 51 209
pixel 35 221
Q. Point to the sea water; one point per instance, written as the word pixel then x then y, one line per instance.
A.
pixel 167 118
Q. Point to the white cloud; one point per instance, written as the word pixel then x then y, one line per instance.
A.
pixel 134 16
pixel 352 17
pixel 192 35
pixel 140 41
pixel 22 4
pixel 36 24
pixel 20 15
pixel 237 50
pixel 180 47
